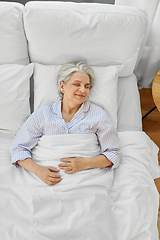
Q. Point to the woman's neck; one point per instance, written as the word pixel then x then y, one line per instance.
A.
pixel 68 110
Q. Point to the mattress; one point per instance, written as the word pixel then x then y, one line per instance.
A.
pixel 128 106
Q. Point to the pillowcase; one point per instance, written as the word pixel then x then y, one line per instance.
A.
pixel 14 95
pixel 101 34
pixel 103 93
pixel 45 84
pixel 13 42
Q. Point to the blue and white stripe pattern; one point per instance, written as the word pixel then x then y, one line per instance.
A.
pixel 47 120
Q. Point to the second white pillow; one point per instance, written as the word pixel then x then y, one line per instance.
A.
pixel 14 95
pixel 103 93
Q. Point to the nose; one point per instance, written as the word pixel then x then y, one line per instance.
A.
pixel 82 88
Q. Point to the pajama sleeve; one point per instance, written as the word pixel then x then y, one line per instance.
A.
pixel 26 138
pixel 108 140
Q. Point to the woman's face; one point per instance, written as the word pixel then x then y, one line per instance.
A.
pixel 77 89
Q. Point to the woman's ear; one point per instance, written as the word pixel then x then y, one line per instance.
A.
pixel 62 87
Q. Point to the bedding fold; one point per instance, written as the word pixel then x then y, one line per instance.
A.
pixel 133 191
pixel 51 149
pixel 91 204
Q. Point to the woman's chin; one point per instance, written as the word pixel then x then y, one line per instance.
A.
pixel 80 99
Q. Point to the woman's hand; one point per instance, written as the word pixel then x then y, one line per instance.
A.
pixel 48 175
pixel 75 164
pixel 72 165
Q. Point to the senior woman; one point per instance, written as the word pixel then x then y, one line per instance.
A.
pixel 71 114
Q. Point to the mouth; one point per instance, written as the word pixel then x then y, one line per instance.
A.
pixel 80 95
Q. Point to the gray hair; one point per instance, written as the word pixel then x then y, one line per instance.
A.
pixel 65 72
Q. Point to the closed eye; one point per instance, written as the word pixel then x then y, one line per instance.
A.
pixel 76 84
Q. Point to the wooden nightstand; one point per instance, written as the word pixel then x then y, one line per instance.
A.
pixel 156 90
pixel 155 94
pixel 156 98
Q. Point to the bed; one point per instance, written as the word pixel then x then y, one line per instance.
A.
pixel 35 40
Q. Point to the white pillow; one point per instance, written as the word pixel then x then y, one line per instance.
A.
pixel 99 34
pixel 13 42
pixel 14 95
pixel 103 93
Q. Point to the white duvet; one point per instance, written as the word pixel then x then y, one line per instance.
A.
pixel 94 204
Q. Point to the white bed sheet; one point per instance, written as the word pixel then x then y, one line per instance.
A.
pixel 6 137
pixel 27 209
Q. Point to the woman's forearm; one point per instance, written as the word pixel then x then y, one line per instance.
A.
pixel 75 164
pixel 29 165
pixel 99 161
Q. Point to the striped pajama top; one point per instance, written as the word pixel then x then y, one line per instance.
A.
pixel 47 120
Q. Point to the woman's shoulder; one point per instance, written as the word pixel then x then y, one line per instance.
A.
pixel 42 111
pixel 100 114
pixel 44 108
pixel 95 107
pixel 98 110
